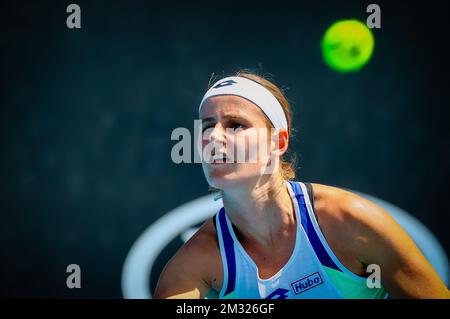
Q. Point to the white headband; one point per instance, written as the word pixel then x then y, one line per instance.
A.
pixel 253 92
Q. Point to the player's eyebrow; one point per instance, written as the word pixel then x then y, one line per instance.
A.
pixel 227 117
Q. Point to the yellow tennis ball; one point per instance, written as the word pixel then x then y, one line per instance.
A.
pixel 347 45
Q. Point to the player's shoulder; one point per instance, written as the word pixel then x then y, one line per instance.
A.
pixel 342 205
pixel 202 242
pixel 201 250
pixel 353 225
pixel 346 217
pixel 195 267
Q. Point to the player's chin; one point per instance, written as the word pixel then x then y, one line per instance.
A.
pixel 223 178
pixel 218 178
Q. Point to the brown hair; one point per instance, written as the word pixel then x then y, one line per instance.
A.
pixel 287 166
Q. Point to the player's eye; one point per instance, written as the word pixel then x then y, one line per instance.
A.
pixel 236 125
pixel 207 126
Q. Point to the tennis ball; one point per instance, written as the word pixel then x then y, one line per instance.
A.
pixel 347 45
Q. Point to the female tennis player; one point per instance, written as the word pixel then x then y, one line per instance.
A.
pixel 276 238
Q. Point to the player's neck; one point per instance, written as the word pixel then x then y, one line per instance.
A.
pixel 262 212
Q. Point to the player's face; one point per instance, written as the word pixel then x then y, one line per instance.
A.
pixel 236 141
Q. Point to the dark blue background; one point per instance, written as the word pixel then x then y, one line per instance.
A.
pixel 86 118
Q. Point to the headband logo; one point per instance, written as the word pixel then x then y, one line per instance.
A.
pixel 225 83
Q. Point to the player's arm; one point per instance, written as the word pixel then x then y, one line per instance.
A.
pixel 376 238
pixel 186 275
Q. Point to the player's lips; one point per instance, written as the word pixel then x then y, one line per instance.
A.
pixel 220 159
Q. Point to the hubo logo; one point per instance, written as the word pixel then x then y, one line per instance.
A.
pixel 179 222
pixel 306 283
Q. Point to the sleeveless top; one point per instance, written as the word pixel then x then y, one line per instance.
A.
pixel 312 271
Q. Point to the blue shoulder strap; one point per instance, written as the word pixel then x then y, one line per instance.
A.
pixel 310 231
pixel 229 253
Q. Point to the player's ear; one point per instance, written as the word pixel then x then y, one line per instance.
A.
pixel 279 141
